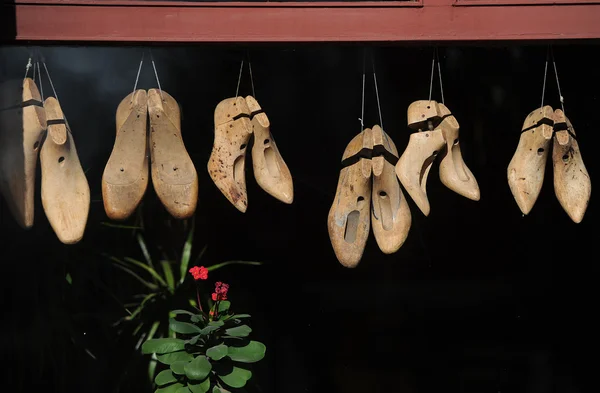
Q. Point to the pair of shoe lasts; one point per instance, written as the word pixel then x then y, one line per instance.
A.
pixel 64 187
pixel 236 120
pixel 438 132
pixel 368 193
pixel 125 176
pixel 572 184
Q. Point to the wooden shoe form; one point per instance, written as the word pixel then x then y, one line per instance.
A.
pixel 526 168
pixel 572 183
pixel 454 173
pixel 415 163
pixel 65 190
pixel 349 218
pixel 390 214
pixel 22 125
pixel 226 164
pixel 270 171
pixel 173 173
pixel 125 176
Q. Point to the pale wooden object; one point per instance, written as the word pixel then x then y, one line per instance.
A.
pixel 348 221
pixel 125 176
pixel 390 215
pixel 65 190
pixel 454 173
pixel 226 164
pixel 270 170
pixel 173 173
pixel 22 125
pixel 572 183
pixel 528 165
pixel 423 146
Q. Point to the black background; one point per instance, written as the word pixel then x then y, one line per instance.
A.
pixel 479 299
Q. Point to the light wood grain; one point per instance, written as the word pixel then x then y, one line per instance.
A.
pixel 270 170
pixel 21 133
pixel 390 216
pixel 227 162
pixel 173 173
pixel 454 173
pixel 572 184
pixel 65 190
pixel 528 165
pixel 423 147
pixel 349 220
pixel 125 176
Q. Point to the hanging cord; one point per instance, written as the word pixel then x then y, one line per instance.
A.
pixel 137 78
pixel 27 67
pixel 437 55
pixel 39 73
pixel 156 75
pixel 362 102
pixel 251 76
pixel 54 91
pixel 237 89
pixel 562 99
pixel 550 55
pixel 50 80
pixel 376 91
pixel 545 76
pixel 34 73
pixel 436 58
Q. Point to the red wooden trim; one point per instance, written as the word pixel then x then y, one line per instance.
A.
pixel 523 2
pixel 436 20
pixel 228 4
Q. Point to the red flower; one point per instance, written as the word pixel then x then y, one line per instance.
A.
pixel 199 273
pixel 220 291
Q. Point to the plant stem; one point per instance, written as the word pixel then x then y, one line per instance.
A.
pixel 198 296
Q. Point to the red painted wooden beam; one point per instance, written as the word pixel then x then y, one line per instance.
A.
pixel 432 20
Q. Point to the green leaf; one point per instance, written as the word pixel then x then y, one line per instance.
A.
pixel 202 387
pixel 153 330
pixel 179 367
pixel 198 369
pixel 165 377
pixel 217 352
pixel 224 305
pixel 179 356
pixel 144 249
pixel 183 389
pixel 166 266
pixel 111 225
pixel 183 327
pixel 217 389
pixel 253 352
pixel 223 264
pixel 69 278
pixel 237 378
pixel 194 340
pixel 147 268
pixel 208 330
pixel 186 253
pixel 240 316
pixel 151 286
pixel 184 312
pixel 216 323
pixel 163 345
pixel 152 367
pixel 239 331
pixel 170 389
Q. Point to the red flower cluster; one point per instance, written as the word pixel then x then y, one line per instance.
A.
pixel 199 273
pixel 220 291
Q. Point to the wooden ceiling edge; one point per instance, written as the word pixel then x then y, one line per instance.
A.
pixel 432 20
